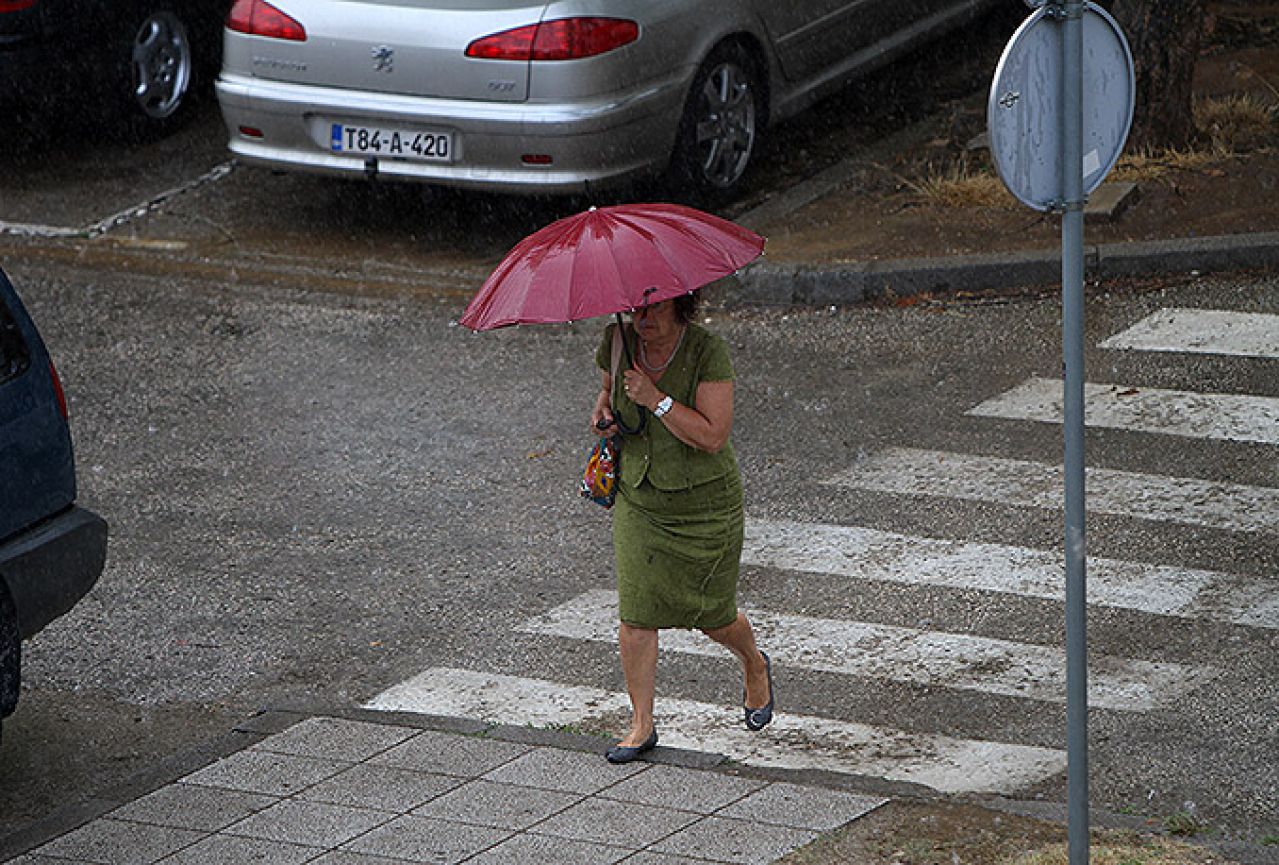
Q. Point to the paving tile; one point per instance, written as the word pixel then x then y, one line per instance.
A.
pixel 685 789
pixel 188 806
pixel 527 849
pixel 450 754
pixel 502 806
pixel 421 839
pixel 646 857
pixel 334 737
pixel 242 851
pixel 346 857
pixel 620 824
pixel 382 788
pixel 802 807
pixel 568 771
pixel 262 772
pixel 113 841
pixel 735 841
pixel 314 823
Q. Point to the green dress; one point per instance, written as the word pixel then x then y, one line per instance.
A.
pixel 678 520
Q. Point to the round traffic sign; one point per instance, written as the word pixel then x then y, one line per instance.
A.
pixel 1024 110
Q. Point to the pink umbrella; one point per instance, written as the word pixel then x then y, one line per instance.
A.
pixel 609 260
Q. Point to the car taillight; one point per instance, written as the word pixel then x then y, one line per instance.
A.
pixel 57 389
pixel 15 5
pixel 562 39
pixel 259 18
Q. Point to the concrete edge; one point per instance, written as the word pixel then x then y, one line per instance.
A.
pixel 773 284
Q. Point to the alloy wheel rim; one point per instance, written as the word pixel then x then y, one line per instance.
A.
pixel 726 130
pixel 162 64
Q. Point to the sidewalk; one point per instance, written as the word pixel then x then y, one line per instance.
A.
pixel 366 789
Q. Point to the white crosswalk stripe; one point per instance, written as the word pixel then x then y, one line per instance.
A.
pixel 868 554
pixel 1225 417
pixel 1190 501
pixel 1203 331
pixel 793 741
pixel 931 658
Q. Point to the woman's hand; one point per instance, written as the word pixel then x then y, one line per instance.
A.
pixel 602 420
pixel 640 388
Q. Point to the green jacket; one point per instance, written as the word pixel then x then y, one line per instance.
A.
pixel 655 454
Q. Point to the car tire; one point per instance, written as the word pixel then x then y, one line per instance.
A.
pixel 10 652
pixel 156 68
pixel 720 131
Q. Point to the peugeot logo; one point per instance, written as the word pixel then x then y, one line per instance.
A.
pixel 383 58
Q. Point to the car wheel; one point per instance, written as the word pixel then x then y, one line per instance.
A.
pixel 720 131
pixel 156 68
pixel 10 652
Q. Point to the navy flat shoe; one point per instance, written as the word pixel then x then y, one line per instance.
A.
pixel 628 753
pixel 758 719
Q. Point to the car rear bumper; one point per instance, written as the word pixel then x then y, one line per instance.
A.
pixel 589 142
pixel 52 566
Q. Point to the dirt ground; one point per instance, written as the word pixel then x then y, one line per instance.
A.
pixel 1228 185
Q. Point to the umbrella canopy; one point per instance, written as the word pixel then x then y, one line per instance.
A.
pixel 609 260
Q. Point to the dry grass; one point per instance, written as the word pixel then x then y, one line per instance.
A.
pixel 961 185
pixel 1136 851
pixel 1230 125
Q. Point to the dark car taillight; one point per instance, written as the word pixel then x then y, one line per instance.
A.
pixel 57 389
pixel 562 39
pixel 15 5
pixel 259 18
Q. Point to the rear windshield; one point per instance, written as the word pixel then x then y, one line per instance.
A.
pixel 15 357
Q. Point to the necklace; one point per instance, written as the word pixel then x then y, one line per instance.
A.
pixel 654 367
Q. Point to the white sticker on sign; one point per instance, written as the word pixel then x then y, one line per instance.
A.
pixel 1092 162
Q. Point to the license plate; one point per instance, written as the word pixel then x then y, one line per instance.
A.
pixel 392 143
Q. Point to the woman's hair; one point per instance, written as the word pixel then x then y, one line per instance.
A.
pixel 686 306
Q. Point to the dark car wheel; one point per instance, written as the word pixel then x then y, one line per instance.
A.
pixel 719 134
pixel 155 68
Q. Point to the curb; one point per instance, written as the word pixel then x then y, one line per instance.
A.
pixel 766 283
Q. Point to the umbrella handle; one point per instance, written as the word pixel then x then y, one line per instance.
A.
pixel 630 363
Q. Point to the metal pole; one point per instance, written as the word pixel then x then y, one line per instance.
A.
pixel 1072 279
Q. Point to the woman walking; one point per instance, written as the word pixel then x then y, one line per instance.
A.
pixel 678 520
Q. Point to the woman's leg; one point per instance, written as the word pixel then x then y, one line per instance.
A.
pixel 739 638
pixel 639 665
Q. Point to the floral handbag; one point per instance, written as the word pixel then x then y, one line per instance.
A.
pixel 599 481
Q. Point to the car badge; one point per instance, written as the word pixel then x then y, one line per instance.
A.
pixel 383 58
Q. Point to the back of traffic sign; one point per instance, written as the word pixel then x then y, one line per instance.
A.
pixel 1024 111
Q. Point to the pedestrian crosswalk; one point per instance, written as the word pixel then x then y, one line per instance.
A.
pixel 1222 416
pixel 795 741
pixel 972 477
pixel 971 667
pixel 1203 331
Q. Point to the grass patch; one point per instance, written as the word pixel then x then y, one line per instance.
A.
pixel 1135 851
pixel 960 184
pixel 1237 122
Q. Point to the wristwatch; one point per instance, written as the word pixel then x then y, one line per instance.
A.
pixel 663 407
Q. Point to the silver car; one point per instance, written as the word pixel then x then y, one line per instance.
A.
pixel 545 97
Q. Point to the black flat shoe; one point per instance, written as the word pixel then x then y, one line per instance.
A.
pixel 628 753
pixel 758 719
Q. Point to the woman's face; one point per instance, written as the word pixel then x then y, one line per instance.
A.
pixel 657 321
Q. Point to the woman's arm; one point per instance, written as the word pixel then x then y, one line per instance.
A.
pixel 706 426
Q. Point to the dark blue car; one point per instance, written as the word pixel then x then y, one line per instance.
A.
pixel 51 551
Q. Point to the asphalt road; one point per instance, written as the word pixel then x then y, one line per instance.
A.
pixel 314 497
